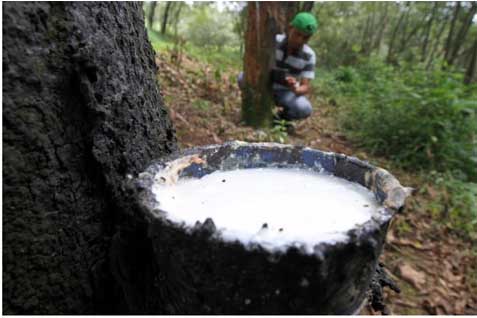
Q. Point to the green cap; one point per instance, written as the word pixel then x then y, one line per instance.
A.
pixel 305 22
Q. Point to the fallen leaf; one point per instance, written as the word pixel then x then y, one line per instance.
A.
pixel 216 138
pixel 459 307
pixel 440 311
pixel 406 242
pixel 406 303
pixel 411 275
pixel 429 307
pixel 445 306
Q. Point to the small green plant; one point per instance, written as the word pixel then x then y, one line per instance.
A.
pixel 202 104
pixel 346 74
pixel 403 227
pixel 279 131
pixel 456 203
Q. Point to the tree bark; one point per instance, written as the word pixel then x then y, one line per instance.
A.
pixel 81 112
pixel 151 14
pixel 289 10
pixel 165 17
pixel 262 25
pixel 308 6
pixel 471 69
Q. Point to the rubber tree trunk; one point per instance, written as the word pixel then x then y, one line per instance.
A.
pixel 291 8
pixel 308 6
pixel 263 22
pixel 81 111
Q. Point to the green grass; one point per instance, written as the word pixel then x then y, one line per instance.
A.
pixel 159 42
pixel 227 57
pixel 421 121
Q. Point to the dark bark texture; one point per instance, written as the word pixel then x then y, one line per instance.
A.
pixel 81 111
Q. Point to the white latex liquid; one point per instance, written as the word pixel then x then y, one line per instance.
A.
pixel 300 207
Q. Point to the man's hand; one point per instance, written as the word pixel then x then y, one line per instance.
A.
pixel 299 88
pixel 291 82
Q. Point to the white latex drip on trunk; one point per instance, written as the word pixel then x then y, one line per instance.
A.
pixel 299 207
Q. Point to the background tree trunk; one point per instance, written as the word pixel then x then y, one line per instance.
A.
pixel 382 27
pixel 365 34
pixel 404 27
pixel 450 35
pixel 177 16
pixel 263 21
pixel 471 69
pixel 390 56
pixel 81 111
pixel 440 32
pixel 370 37
pixel 461 35
pixel 152 11
pixel 307 6
pixel 427 31
pixel 290 9
pixel 166 17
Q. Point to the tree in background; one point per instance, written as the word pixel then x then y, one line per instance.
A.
pixel 424 34
pixel 264 20
pixel 206 27
pixel 166 16
pixel 466 21
pixel 169 12
pixel 471 69
pixel 177 16
pixel 151 14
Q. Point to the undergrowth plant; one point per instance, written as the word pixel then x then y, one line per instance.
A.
pixel 278 133
pixel 424 122
pixel 455 203
pixel 419 120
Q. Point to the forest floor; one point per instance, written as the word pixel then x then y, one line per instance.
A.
pixel 435 269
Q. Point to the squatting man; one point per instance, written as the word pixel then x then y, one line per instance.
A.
pixel 294 68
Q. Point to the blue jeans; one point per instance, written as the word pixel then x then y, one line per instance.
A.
pixel 294 106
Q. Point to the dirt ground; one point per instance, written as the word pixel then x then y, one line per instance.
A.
pixel 436 270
